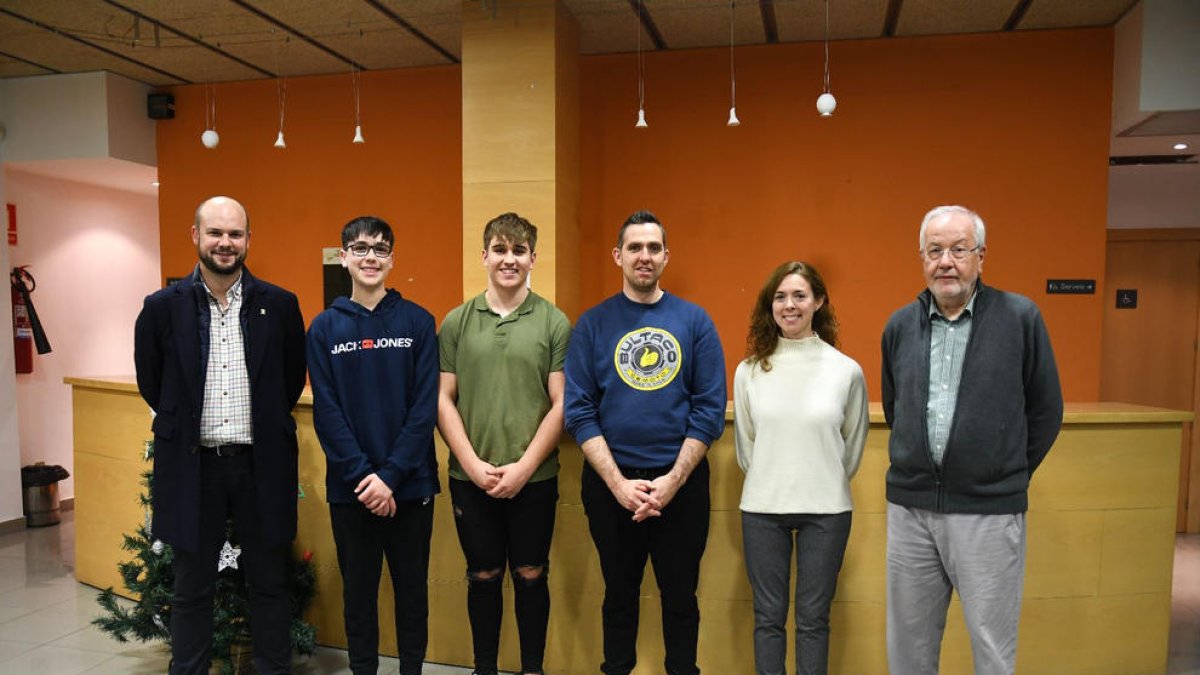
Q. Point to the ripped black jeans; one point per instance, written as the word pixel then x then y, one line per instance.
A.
pixel 513 534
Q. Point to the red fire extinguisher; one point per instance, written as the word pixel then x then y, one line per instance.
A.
pixel 27 328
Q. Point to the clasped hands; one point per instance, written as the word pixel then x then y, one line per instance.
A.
pixel 499 482
pixel 646 498
pixel 375 494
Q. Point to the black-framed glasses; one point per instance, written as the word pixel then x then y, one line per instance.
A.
pixel 361 250
pixel 935 253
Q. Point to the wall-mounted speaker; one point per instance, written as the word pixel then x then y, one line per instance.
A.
pixel 160 106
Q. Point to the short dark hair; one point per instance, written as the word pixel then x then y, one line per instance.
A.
pixel 369 226
pixel 512 228
pixel 641 217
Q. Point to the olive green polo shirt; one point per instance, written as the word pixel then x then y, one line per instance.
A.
pixel 502 364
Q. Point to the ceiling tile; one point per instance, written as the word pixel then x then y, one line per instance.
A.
pixel 686 24
pixel 607 26
pixel 802 20
pixel 241 33
pixel 364 31
pixel 942 17
pixel 1058 14
pixel 12 68
pixel 439 20
pixel 357 32
pixel 42 46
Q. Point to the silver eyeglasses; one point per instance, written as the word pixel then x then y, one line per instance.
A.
pixel 934 253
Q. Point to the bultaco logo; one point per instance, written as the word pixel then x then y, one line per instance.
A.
pixel 648 358
pixel 371 343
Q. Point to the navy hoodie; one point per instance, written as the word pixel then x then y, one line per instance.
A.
pixel 374 376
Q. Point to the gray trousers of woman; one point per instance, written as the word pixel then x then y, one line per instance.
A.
pixel 819 542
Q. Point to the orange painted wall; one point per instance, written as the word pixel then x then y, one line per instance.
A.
pixel 1013 125
pixel 409 172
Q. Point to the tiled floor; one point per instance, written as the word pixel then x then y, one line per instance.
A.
pixel 1184 656
pixel 45 616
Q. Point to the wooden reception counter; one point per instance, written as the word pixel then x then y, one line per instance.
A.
pixel 1097 588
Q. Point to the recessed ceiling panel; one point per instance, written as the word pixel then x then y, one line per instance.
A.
pixel 13 68
pixel 1058 14
pixel 383 44
pixel 804 20
pixel 355 30
pixel 42 46
pixel 121 31
pixel 374 32
pixel 242 33
pixel 686 24
pixel 943 17
pixel 608 26
pixel 439 20
pixel 1172 123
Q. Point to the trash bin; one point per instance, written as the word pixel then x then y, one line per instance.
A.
pixel 39 493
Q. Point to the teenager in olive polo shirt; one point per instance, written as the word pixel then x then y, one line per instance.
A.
pixel 500 412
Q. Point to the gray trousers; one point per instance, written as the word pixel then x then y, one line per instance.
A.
pixel 820 542
pixel 929 555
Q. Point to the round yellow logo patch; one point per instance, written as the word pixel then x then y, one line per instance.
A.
pixel 648 358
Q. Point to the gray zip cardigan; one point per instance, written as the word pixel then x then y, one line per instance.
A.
pixel 1008 413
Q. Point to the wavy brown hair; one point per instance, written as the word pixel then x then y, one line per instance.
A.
pixel 511 228
pixel 764 332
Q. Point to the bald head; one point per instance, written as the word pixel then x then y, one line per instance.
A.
pixel 221 232
pixel 222 205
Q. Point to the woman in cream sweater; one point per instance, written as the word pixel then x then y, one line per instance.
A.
pixel 800 414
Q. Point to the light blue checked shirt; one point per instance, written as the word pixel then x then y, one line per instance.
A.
pixel 947 347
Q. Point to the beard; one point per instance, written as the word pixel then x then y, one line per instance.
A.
pixel 211 263
pixel 640 285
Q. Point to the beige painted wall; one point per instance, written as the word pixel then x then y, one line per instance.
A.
pixel 94 254
pixel 10 449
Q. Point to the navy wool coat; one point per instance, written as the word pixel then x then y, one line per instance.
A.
pixel 171 358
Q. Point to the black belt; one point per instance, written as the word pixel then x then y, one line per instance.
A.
pixel 228 450
pixel 649 473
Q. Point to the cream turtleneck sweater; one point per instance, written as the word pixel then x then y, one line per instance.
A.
pixel 800 428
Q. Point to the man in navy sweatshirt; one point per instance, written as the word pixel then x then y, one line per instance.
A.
pixel 645 397
pixel 374 378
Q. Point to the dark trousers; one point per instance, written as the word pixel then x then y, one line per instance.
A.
pixel 819 541
pixel 362 540
pixel 227 491
pixel 674 542
pixel 513 533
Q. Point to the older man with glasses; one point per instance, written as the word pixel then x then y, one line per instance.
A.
pixel 972 396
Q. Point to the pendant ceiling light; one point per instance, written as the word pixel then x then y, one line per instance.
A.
pixel 356 80
pixel 641 120
pixel 356 76
pixel 281 95
pixel 209 137
pixel 826 103
pixel 280 92
pixel 733 118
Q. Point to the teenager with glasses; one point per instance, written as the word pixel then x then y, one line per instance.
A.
pixel 500 412
pixel 374 380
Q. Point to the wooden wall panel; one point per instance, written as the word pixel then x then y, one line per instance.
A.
pixel 1100 549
